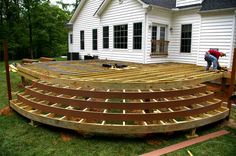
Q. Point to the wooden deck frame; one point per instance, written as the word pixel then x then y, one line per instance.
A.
pixel 137 99
pixel 160 114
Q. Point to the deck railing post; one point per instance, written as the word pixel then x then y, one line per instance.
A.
pixel 5 46
pixel 232 80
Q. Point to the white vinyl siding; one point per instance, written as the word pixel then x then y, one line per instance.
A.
pixel 87 22
pixel 216 32
pixel 209 30
pixel 179 19
pixel 234 41
pixel 128 12
pixel 180 3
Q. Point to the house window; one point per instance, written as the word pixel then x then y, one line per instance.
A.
pixel 121 36
pixel 137 36
pixel 95 39
pixel 82 40
pixel 186 38
pixel 71 38
pixel 154 38
pixel 106 37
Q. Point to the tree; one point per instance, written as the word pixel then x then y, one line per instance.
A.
pixel 33 28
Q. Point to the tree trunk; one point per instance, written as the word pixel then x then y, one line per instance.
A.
pixel 30 37
pixel 30 29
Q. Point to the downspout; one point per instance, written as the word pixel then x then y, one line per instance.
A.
pixel 145 41
pixel 232 40
pixel 146 34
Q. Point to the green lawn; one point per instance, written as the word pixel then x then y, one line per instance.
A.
pixel 17 137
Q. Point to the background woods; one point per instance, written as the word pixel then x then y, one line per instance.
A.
pixel 34 28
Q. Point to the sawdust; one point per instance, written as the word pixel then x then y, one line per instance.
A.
pixel 66 137
pixel 6 111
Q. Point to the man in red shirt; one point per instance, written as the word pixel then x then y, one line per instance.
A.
pixel 212 57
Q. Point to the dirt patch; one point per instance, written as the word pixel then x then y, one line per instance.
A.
pixel 6 111
pixel 65 137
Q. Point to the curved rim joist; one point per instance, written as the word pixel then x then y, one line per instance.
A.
pixel 120 129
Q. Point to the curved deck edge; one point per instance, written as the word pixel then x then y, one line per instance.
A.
pixel 119 129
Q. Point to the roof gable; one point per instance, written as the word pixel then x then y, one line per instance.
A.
pixel 77 11
pixel 207 5
pixel 105 4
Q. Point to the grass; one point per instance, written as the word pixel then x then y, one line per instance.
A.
pixel 17 137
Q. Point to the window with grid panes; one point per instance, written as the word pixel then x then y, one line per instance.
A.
pixel 106 37
pixel 95 39
pixel 82 40
pixel 137 36
pixel 121 36
pixel 186 38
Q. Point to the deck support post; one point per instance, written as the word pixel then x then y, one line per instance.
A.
pixel 32 123
pixel 5 46
pixel 232 82
pixel 192 134
pixel 23 81
pixel 223 84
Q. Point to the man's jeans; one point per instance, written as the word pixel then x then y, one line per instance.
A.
pixel 211 59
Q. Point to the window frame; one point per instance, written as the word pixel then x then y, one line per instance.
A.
pixel 188 48
pixel 105 37
pixel 137 35
pixel 82 40
pixel 120 42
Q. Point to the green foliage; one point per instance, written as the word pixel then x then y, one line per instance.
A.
pixel 33 25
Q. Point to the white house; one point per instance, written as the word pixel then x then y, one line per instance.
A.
pixel 153 31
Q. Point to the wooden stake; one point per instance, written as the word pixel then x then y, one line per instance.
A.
pixel 232 81
pixel 5 46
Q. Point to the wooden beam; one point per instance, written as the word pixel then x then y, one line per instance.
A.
pixel 187 143
pixel 5 46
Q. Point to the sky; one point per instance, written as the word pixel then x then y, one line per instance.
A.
pixel 65 1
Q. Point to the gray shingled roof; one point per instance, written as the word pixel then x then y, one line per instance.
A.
pixel 162 3
pixel 206 5
pixel 217 4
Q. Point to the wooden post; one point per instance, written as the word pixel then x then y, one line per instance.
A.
pixel 5 46
pixel 232 80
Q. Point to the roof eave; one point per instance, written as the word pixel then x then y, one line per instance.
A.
pixel 217 10
pixel 187 8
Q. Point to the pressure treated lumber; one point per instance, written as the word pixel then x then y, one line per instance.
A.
pixel 160 110
pixel 135 76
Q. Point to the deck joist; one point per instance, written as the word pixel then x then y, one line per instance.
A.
pixel 91 74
